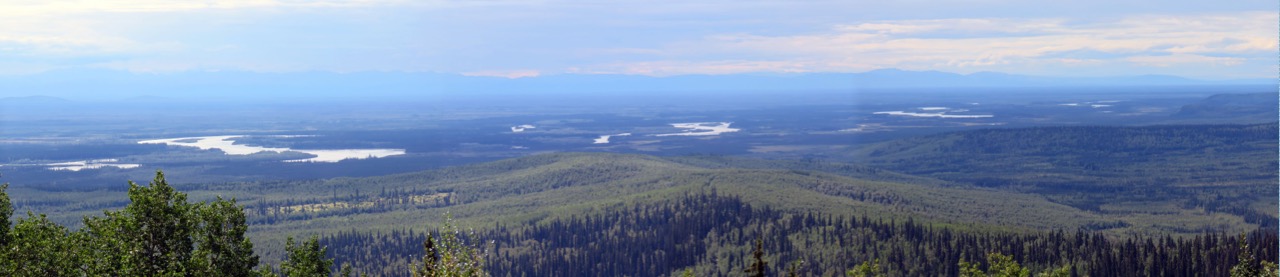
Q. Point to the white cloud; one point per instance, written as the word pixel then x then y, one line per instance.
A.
pixel 513 39
pixel 1183 59
pixel 132 6
pixel 981 44
pixel 164 36
pixel 669 68
pixel 509 74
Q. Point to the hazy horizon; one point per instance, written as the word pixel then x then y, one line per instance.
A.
pixel 514 39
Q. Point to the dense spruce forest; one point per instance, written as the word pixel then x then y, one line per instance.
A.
pixel 160 233
pixel 1227 169
pixel 1115 201
pixel 712 235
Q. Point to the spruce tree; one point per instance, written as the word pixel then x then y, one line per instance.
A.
pixel 759 267
pixel 450 256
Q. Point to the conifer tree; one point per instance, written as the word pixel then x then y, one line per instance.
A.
pixel 759 267
pixel 1246 266
pixel 450 256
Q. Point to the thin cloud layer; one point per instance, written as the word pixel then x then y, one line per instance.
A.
pixel 516 39
pixel 1159 43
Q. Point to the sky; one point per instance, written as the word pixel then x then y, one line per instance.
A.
pixel 1211 40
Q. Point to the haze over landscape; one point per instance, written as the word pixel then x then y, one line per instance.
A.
pixel 640 138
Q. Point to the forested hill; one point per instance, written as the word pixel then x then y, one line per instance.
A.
pixel 1075 146
pixel 698 233
pixel 530 189
pixel 705 234
pixel 1105 198
pixel 1251 107
pixel 1152 170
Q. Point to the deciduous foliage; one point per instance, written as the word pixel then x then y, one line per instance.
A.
pixel 221 245
pixel 866 269
pixel 6 211
pixel 153 235
pixel 39 247
pixel 158 233
pixel 306 259
pixel 998 265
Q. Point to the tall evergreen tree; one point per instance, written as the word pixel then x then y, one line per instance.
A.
pixel 450 256
pixel 759 267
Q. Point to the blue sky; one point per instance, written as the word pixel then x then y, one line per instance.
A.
pixel 1197 39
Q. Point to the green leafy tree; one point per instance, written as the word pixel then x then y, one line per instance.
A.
pixel 6 211
pixel 7 264
pixel 450 256
pixel 160 234
pixel 688 272
pixel 998 265
pixel 40 247
pixel 866 269
pixel 157 234
pixel 1064 271
pixel 221 245
pixel 306 259
pixel 152 236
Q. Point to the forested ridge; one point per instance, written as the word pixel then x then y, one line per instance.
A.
pixel 711 235
pixel 1134 203
pixel 1228 169
pixel 160 233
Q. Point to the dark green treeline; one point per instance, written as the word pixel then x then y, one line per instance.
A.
pixel 160 233
pixel 712 235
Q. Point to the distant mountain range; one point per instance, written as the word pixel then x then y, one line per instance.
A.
pixel 121 85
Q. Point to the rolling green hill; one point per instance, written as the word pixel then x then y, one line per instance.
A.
pixel 1117 181
pixel 1154 174
pixel 542 188
pixel 538 188
pixel 535 189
